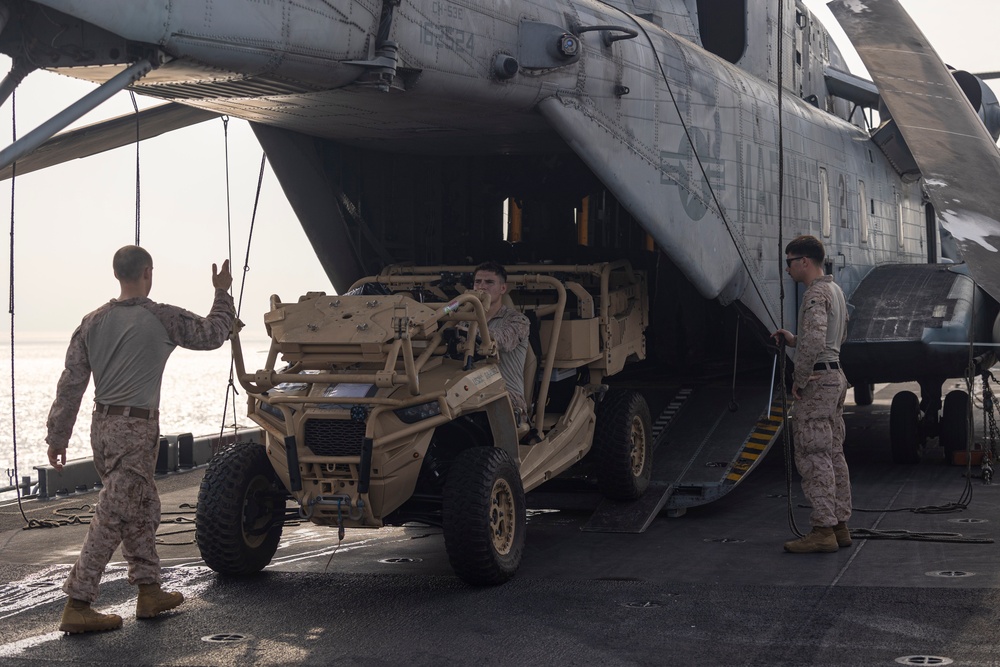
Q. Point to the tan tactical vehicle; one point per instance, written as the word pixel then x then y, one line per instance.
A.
pixel 392 409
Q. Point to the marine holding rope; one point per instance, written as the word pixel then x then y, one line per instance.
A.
pixel 125 345
pixel 819 389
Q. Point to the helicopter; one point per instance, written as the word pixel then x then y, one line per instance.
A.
pixel 691 137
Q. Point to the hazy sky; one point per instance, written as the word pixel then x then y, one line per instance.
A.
pixel 70 219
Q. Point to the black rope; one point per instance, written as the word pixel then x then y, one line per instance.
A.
pixel 733 404
pixel 871 534
pixel 782 355
pixel 13 401
pixel 947 508
pixel 253 218
pixel 84 514
pixel 239 305
pixel 137 180
pixel 231 386
pixel 229 210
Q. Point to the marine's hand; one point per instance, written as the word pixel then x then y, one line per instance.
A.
pixel 222 279
pixel 783 336
pixel 485 298
pixel 797 392
pixel 57 457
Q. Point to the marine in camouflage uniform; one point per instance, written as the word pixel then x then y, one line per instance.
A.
pixel 819 388
pixel 125 345
pixel 509 329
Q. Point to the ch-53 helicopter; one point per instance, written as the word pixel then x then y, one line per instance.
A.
pixel 688 136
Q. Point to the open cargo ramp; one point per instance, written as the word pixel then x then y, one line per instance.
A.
pixel 709 441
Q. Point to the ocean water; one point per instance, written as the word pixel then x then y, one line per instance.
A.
pixel 192 396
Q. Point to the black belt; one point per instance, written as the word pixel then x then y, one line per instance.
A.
pixel 827 366
pixel 125 410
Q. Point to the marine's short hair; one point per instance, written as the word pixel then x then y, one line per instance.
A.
pixel 807 246
pixel 492 267
pixel 130 261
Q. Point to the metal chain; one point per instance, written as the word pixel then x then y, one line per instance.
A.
pixel 990 433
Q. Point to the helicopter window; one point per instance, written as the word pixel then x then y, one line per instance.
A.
pixel 863 210
pixel 722 25
pixel 824 201
pixel 843 208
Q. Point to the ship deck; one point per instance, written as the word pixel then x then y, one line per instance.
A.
pixel 711 587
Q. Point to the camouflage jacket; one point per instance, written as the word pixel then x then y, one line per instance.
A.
pixel 509 329
pixel 180 327
pixel 822 327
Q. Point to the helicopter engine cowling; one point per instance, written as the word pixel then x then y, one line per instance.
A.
pixel 983 100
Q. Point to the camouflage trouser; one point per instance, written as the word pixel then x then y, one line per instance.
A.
pixel 818 430
pixel 128 507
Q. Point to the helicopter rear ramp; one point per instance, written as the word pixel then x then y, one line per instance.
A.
pixel 708 438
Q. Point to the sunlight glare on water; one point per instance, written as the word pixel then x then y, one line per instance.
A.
pixel 192 397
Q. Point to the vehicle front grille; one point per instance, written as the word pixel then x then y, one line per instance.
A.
pixel 334 437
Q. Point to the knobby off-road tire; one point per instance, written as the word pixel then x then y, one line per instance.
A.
pixel 241 510
pixel 622 450
pixel 484 516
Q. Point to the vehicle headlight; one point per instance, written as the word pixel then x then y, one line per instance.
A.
pixel 415 413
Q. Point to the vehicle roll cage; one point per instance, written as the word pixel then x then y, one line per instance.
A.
pixel 321 332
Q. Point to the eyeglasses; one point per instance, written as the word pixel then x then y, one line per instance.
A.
pixel 788 262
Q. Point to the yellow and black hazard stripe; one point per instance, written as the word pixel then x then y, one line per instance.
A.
pixel 764 433
pixel 668 413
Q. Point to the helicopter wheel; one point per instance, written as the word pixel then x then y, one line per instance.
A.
pixel 904 431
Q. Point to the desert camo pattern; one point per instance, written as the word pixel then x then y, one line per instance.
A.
pixel 125 448
pixel 818 431
pixel 509 329
pixel 128 506
pixel 818 417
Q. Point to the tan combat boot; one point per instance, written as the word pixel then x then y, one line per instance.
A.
pixel 843 534
pixel 79 617
pixel 820 540
pixel 153 600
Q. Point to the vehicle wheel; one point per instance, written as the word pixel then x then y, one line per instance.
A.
pixel 864 394
pixel 955 421
pixel 241 508
pixel 904 434
pixel 484 516
pixel 622 449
